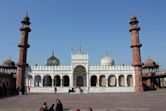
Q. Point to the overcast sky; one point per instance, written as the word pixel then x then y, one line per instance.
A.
pixel 95 25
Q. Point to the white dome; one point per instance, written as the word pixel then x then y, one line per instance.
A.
pixel 107 60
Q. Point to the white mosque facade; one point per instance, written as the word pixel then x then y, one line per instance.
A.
pixel 105 77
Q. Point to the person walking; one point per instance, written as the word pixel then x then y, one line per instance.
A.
pixel 55 90
pixel 59 106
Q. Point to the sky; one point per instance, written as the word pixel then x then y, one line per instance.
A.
pixel 95 25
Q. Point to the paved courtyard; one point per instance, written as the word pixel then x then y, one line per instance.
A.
pixel 144 101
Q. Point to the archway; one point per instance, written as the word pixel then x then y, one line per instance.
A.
pixel 129 80
pixel 47 81
pixel 30 80
pixel 66 80
pixel 79 76
pixel 121 80
pixel 37 81
pixel 93 80
pixel 102 81
pixel 112 81
pixel 57 80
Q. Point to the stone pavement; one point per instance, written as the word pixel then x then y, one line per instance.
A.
pixel 144 101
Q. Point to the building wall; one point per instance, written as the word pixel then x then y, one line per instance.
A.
pixel 121 75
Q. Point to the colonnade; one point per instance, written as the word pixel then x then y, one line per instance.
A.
pixel 95 81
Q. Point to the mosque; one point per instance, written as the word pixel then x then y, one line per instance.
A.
pixel 102 78
pixel 105 77
pixel 80 75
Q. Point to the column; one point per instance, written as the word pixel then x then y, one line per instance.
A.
pixel 33 80
pixel 87 80
pixel 52 80
pixel 106 77
pixel 117 80
pixel 61 76
pixel 98 81
pixel 42 81
pixel 125 77
pixel 71 79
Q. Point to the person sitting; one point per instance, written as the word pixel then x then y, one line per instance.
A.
pixel 43 107
pixel 51 108
pixel 71 90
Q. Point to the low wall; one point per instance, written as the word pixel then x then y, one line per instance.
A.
pixel 85 89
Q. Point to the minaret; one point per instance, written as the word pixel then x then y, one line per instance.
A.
pixel 23 45
pixel 136 53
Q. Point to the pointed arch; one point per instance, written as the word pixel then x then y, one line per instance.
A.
pixel 79 76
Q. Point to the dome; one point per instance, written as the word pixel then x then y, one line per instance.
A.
pixel 9 63
pixel 150 63
pixel 53 61
pixel 107 60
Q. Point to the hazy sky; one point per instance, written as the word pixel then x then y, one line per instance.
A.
pixel 95 25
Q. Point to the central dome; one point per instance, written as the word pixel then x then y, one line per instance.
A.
pixel 53 61
pixel 107 60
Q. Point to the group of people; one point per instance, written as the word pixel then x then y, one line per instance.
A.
pixel 77 90
pixel 59 106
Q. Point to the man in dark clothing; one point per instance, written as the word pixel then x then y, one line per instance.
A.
pixel 59 106
pixel 55 89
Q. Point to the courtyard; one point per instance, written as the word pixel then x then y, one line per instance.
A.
pixel 143 101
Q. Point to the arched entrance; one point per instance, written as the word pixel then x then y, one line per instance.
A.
pixel 79 76
pixel 102 81
pixel 112 81
pixel 121 80
pixel 47 81
pixel 37 81
pixel 129 80
pixel 57 80
pixel 93 80
pixel 66 80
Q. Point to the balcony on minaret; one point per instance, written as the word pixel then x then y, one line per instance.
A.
pixel 134 24
pixel 25 24
pixel 136 45
pixel 23 45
